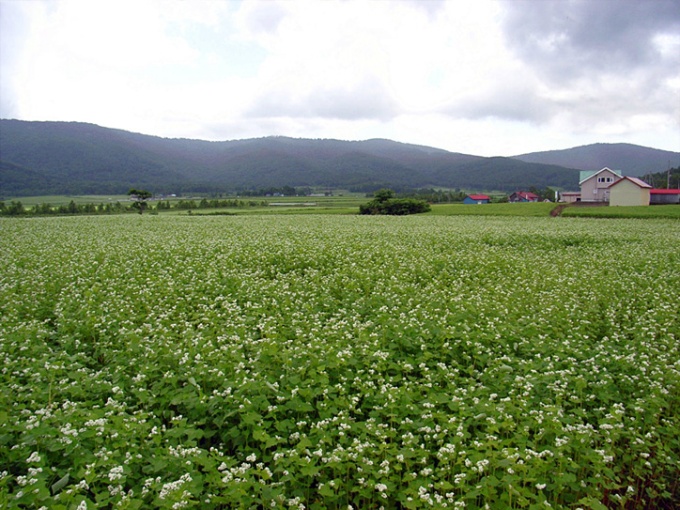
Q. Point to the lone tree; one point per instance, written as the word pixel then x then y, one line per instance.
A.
pixel 139 198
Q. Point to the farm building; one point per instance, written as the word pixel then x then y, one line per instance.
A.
pixel 611 187
pixel 570 196
pixel 629 191
pixel 595 185
pixel 664 196
pixel 523 196
pixel 476 199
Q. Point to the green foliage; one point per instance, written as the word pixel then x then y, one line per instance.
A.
pixel 240 362
pixel 14 208
pixel 383 195
pixel 384 202
pixel 544 193
pixel 139 198
pixel 661 180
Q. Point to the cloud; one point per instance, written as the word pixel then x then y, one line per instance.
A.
pixel 602 66
pixel 449 72
pixel 257 19
pixel 506 99
pixel 567 40
pixel 324 60
pixel 14 20
pixel 360 60
pixel 367 98
pixel 432 7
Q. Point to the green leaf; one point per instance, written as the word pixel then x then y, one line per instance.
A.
pixel 326 490
pixel 592 503
pixel 60 484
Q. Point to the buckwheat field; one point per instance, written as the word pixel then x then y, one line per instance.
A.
pixel 339 362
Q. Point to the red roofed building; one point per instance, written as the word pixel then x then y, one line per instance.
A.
pixel 664 196
pixel 606 185
pixel 523 196
pixel 476 199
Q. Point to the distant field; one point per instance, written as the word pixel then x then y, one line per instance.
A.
pixel 520 209
pixel 273 211
pixel 280 204
pixel 57 200
pixel 348 204
pixel 651 211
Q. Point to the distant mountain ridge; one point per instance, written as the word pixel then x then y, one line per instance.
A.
pixel 39 158
pixel 633 160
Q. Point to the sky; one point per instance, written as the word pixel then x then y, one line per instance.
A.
pixel 482 77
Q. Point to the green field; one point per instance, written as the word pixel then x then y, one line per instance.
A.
pixel 641 211
pixel 347 203
pixel 57 200
pixel 524 209
pixel 330 361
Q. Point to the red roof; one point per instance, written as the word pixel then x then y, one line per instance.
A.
pixel 479 197
pixel 527 194
pixel 664 191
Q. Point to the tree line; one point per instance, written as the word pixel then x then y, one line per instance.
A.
pixel 17 208
pixel 663 180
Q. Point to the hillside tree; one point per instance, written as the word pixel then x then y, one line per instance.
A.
pixel 139 198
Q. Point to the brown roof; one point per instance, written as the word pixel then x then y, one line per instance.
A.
pixel 634 180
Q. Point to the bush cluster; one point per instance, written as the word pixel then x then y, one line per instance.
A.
pixel 384 202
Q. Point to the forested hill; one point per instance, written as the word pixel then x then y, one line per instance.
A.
pixel 632 160
pixel 76 158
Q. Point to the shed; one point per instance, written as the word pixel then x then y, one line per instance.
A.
pixel 570 196
pixel 664 196
pixel 629 191
pixel 476 199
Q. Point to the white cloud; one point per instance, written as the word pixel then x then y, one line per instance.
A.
pixel 484 77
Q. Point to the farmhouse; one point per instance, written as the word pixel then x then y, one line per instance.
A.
pixel 595 185
pixel 476 199
pixel 610 187
pixel 523 196
pixel 629 191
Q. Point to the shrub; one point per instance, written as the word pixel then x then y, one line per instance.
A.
pixel 385 203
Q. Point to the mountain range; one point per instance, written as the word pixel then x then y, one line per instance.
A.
pixel 40 158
